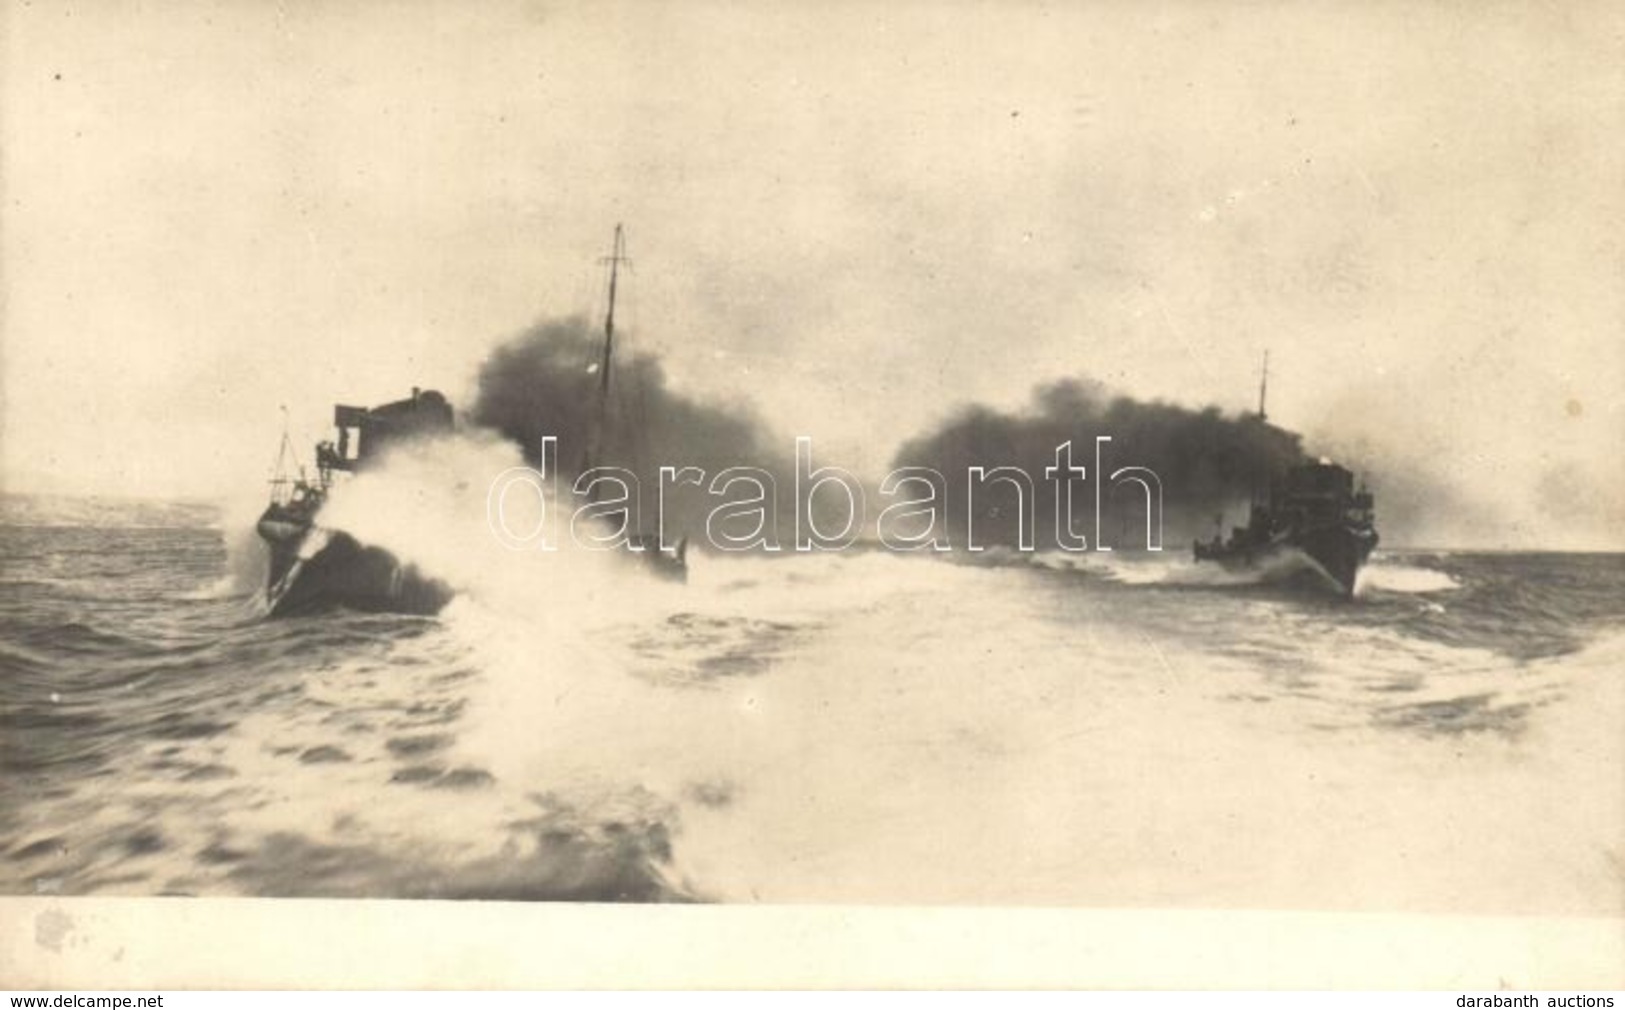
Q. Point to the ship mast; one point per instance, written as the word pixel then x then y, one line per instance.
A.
pixel 280 480
pixel 1263 384
pixel 1261 492
pixel 616 257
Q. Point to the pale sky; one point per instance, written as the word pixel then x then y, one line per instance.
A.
pixel 855 216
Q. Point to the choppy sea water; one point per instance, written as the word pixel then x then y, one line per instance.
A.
pixel 857 727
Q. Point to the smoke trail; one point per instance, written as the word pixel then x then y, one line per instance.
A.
pixel 1209 464
pixel 544 382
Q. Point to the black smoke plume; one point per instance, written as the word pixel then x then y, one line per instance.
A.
pixel 545 382
pixel 1210 465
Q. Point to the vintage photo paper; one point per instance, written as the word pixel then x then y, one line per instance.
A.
pixel 799 494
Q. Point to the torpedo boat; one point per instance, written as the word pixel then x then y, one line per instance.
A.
pixel 1313 522
pixel 314 567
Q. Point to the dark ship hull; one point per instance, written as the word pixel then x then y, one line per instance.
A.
pixel 1316 528
pixel 1334 556
pixel 315 569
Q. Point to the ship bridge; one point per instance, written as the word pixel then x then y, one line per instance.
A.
pixel 371 430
